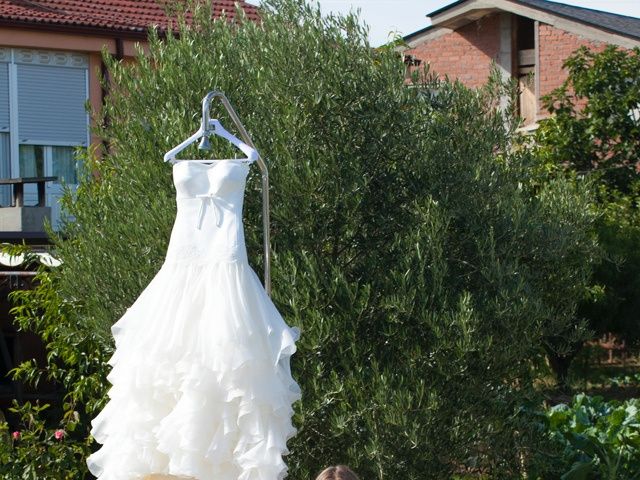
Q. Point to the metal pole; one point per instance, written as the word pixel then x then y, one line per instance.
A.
pixel 206 105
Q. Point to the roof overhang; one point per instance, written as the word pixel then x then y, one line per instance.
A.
pixel 460 13
pixel 133 34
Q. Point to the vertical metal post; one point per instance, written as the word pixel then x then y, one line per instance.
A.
pixel 206 105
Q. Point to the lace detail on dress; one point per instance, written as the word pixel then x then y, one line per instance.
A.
pixel 198 255
pixel 188 252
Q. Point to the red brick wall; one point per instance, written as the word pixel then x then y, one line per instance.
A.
pixel 465 53
pixel 555 46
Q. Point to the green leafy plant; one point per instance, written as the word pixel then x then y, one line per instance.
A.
pixel 625 380
pixel 599 439
pixel 49 443
pixel 35 451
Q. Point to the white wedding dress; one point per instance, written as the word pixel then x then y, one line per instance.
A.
pixel 200 381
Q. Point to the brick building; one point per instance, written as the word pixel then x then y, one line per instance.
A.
pixel 528 39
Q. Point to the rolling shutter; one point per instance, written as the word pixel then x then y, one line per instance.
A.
pixel 4 97
pixel 51 104
pixel 5 159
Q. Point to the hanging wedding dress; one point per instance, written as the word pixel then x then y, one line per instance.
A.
pixel 201 383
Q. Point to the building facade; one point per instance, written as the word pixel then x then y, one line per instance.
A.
pixel 528 40
pixel 50 67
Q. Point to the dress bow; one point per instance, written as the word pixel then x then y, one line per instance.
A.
pixel 213 199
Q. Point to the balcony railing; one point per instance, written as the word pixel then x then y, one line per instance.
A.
pixel 20 219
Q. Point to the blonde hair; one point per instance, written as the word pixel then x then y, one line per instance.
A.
pixel 339 472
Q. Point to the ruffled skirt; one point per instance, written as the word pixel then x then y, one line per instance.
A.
pixel 201 382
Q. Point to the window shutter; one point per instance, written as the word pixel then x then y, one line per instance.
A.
pixel 51 104
pixel 5 159
pixel 4 97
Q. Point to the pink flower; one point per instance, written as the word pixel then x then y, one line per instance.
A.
pixel 16 435
pixel 58 434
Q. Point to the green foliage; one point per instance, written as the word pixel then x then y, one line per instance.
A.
pixel 38 452
pixel 409 244
pixel 616 309
pixel 597 439
pixel 604 135
pixel 73 357
pixel 625 380
pixel 602 141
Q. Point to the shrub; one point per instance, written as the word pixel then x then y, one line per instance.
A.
pixel 597 439
pixel 36 451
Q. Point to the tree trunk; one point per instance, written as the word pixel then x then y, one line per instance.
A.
pixel 560 364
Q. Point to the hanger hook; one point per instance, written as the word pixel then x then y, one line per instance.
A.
pixel 206 119
pixel 206 106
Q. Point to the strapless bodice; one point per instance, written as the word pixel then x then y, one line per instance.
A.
pixel 208 225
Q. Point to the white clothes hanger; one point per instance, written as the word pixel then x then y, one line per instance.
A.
pixel 213 127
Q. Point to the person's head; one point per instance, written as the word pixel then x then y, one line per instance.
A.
pixel 339 472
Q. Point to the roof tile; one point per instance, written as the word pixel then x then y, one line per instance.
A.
pixel 119 15
pixel 622 24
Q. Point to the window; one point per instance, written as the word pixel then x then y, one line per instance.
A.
pixel 48 160
pixel 64 165
pixel 526 69
pixel 31 161
pixel 42 119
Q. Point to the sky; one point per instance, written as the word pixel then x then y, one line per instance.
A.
pixel 407 16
